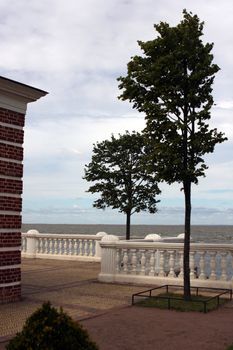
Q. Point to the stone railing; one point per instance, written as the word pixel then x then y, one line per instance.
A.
pixel 162 263
pixel 61 246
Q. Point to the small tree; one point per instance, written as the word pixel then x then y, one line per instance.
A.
pixel 119 170
pixel 50 329
pixel 172 84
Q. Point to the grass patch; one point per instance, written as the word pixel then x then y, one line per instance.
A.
pixel 196 304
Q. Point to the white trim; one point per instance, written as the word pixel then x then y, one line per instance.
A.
pixel 9 143
pixel 10 230
pixel 12 126
pixel 10 195
pixel 13 103
pixel 11 284
pixel 10 212
pixel 10 249
pixel 10 160
pixel 10 267
pixel 15 178
pixel 18 90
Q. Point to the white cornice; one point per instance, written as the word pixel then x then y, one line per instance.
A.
pixel 15 95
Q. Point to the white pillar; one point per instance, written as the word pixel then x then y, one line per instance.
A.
pixel 31 243
pixel 97 244
pixel 108 258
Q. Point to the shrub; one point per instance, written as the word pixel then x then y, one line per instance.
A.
pixel 49 329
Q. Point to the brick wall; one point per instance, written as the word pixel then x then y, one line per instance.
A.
pixel 11 185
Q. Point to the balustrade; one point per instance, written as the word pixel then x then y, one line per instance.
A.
pixel 159 262
pixel 137 261
pixel 52 246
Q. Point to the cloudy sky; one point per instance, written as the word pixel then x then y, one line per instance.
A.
pixel 75 50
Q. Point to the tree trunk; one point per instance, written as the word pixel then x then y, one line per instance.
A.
pixel 128 217
pixel 187 194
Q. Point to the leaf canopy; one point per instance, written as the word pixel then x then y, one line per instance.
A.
pixel 172 84
pixel 120 174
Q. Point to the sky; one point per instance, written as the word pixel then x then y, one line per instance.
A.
pixel 75 50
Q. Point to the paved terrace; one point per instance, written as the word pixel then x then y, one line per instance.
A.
pixel 104 309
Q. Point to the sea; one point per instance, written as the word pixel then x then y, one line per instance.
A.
pixel 199 233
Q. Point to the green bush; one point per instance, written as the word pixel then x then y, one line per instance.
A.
pixel 49 329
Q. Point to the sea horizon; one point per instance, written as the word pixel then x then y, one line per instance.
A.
pixel 200 233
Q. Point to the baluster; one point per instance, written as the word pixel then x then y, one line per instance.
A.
pixel 213 265
pixel 134 262
pixel 152 263
pixel 143 262
pixel 125 261
pixel 45 241
pixel 191 264
pixel 118 260
pixel 55 246
pixel 171 264
pixel 39 246
pixel 181 274
pixel 59 248
pixel 81 247
pixel 86 247
pixel 70 244
pixel 62 251
pixel 91 246
pixel 202 266
pixel 65 246
pixel 75 246
pixel 224 266
pixel 50 246
pixel 161 263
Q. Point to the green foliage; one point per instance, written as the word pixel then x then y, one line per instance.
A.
pixel 49 329
pixel 172 84
pixel 120 174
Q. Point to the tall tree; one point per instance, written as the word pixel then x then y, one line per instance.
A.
pixel 119 172
pixel 172 84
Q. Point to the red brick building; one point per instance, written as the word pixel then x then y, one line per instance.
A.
pixel 14 98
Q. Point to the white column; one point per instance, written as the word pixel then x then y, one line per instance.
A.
pixel 161 263
pixel 31 243
pixel 202 266
pixel 171 264
pixel 108 260
pixel 213 265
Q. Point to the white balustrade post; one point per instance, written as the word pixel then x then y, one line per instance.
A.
pixel 171 264
pixel 161 263
pixel 125 261
pixel 108 259
pixel 143 262
pixel 191 264
pixel 31 243
pixel 224 266
pixel 213 265
pixel 152 263
pixel 181 274
pixel 97 244
pixel 118 261
pixel 134 262
pixel 202 266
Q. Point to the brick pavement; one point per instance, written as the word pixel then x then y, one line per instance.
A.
pixel 69 284
pixel 104 310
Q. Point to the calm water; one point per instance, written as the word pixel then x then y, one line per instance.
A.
pixel 200 233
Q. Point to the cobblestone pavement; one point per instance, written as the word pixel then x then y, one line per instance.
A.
pixel 104 310
pixel 71 285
